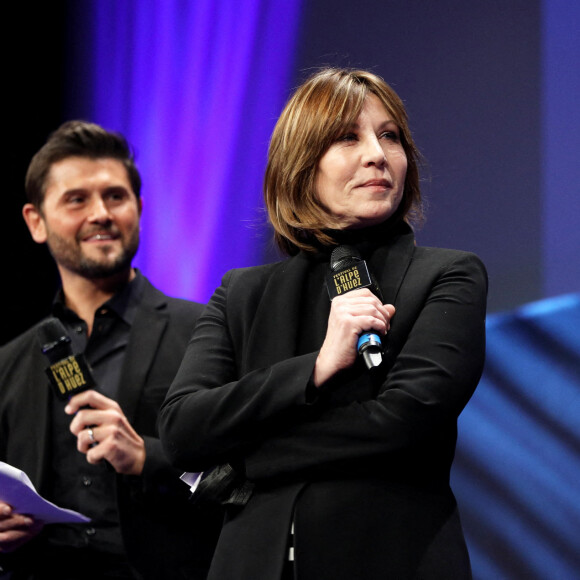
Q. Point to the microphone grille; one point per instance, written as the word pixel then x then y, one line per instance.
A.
pixel 343 256
pixel 53 338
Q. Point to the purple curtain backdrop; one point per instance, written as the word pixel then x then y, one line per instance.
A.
pixel 196 87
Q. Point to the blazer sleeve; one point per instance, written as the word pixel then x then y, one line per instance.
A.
pixel 210 415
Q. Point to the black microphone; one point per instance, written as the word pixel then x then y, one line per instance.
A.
pixel 348 271
pixel 69 374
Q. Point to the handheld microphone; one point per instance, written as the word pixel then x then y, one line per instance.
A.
pixel 348 271
pixel 68 373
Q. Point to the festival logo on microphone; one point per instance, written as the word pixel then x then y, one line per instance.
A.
pixel 351 278
pixel 69 376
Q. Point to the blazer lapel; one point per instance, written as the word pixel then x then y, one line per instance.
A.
pixel 390 264
pixel 273 335
pixel 38 435
pixel 146 333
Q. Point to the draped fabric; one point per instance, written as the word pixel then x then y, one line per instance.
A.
pixel 517 468
pixel 196 87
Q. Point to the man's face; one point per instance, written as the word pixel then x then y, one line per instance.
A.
pixel 89 217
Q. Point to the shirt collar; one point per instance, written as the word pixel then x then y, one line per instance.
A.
pixel 124 303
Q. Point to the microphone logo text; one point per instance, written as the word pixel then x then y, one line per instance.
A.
pixel 347 280
pixel 68 375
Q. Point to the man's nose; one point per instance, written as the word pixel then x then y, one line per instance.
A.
pixel 99 210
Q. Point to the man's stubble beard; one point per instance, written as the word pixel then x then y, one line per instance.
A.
pixel 71 257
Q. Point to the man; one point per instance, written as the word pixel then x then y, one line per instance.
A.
pixel 98 452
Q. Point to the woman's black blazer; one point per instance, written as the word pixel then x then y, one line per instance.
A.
pixel 361 466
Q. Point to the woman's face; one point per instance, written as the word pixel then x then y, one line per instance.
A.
pixel 361 177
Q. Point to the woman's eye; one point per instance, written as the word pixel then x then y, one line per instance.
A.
pixel 390 135
pixel 347 137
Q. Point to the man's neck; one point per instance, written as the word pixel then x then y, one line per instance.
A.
pixel 84 295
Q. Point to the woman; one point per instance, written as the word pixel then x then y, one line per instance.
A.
pixel 354 461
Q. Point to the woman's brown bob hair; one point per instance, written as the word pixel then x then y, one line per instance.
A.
pixel 318 113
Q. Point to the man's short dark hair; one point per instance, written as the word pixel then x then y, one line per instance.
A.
pixel 78 139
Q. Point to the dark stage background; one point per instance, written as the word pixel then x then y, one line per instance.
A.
pixel 492 89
